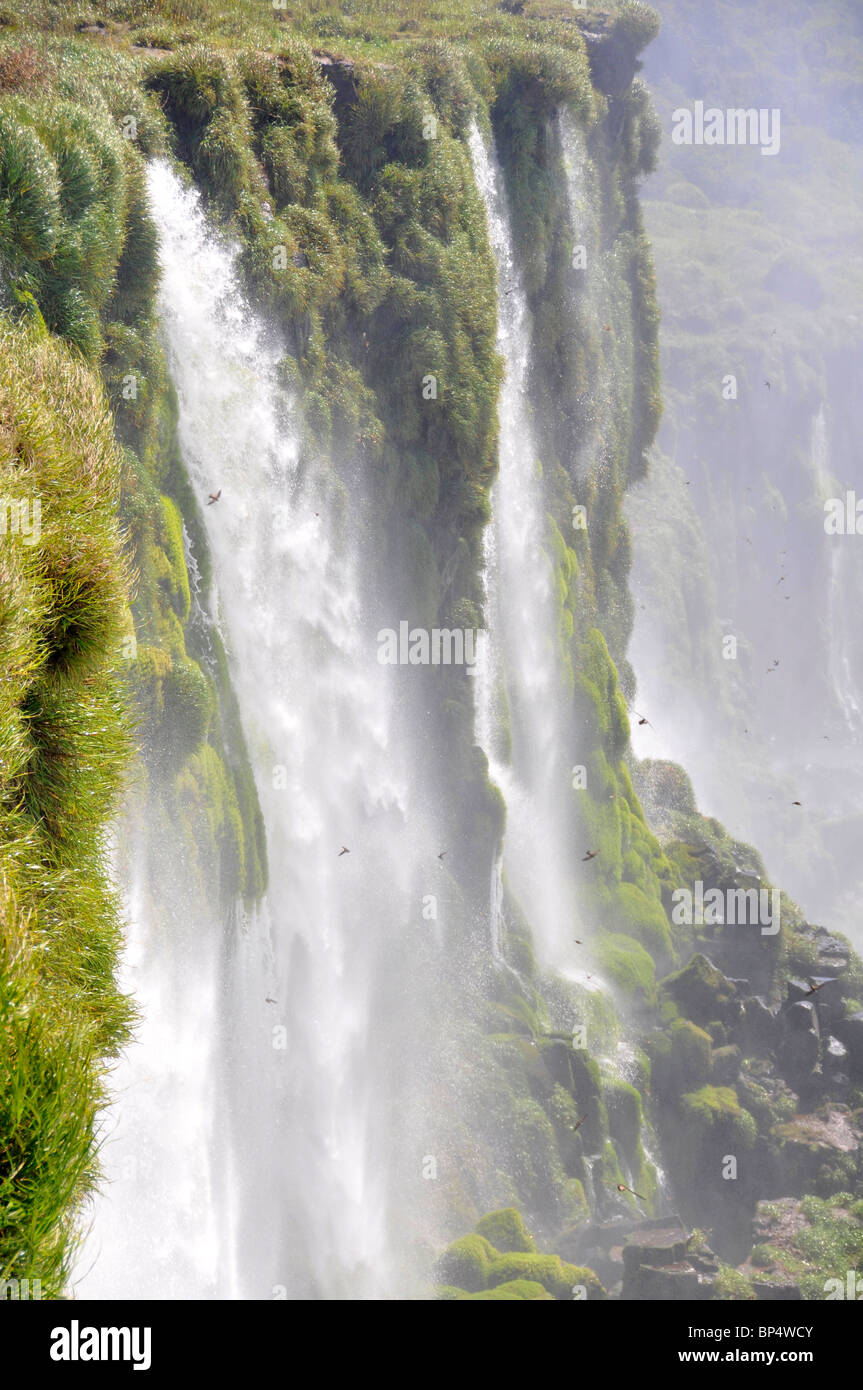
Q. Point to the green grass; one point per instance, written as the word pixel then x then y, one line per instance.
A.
pixel 65 748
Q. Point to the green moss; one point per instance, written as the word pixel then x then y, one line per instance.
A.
pixel 701 992
pixel 466 1263
pixel 732 1286
pixel 556 1277
pixel 627 966
pixel 514 1289
pixel 717 1107
pixel 506 1231
pixel 623 1104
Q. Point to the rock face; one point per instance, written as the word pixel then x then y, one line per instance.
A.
pixel 831 1138
pixel 340 73
pixel 661 1261
pixel 613 64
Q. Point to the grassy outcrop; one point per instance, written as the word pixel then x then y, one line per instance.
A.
pixel 64 590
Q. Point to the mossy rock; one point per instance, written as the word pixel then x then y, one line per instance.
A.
pixel 634 914
pixel 506 1232
pixel 627 965
pixel 623 1104
pixel 514 1290
pixel 718 1108
pixel 702 993
pixel 681 1057
pixel 465 1263
pixel 558 1278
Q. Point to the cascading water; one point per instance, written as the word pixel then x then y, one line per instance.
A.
pixel 302 1033
pixel 841 640
pixel 519 681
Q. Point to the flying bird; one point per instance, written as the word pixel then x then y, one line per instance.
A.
pixel 214 497
pixel 344 850
pixel 442 853
pixel 271 1001
pixel 591 854
pixel 576 940
pixel 813 988
pixel 797 803
pixel 577 1127
pixel 767 384
pixel 621 1187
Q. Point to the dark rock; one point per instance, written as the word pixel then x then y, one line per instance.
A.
pixel 660 1242
pixel 758 1026
pixel 726 1065
pixel 779 1292
pixel 802 1017
pixel 797 989
pixel 613 65
pixel 340 73
pixel 797 1057
pixel 667 1284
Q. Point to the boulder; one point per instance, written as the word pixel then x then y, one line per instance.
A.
pixel 759 1028
pixel 702 993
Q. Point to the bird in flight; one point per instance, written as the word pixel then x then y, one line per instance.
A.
pixel 813 988
pixel 214 497
pixel 271 1001
pixel 797 803
pixel 591 854
pixel 621 1187
pixel 576 940
pixel 577 1127
pixel 344 850
pixel 442 853
pixel 767 384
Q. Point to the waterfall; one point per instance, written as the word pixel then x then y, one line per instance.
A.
pixel 840 634
pixel 519 721
pixel 297 1117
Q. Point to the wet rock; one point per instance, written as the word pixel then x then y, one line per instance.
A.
pixel 667 1284
pixel 797 1057
pixel 759 1028
pixel 808 1143
pixel 662 1262
pixel 726 1065
pixel 835 1057
pixel 850 1032
pixel 660 1242
pixel 703 993
pixel 780 1292
pixel 802 1016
